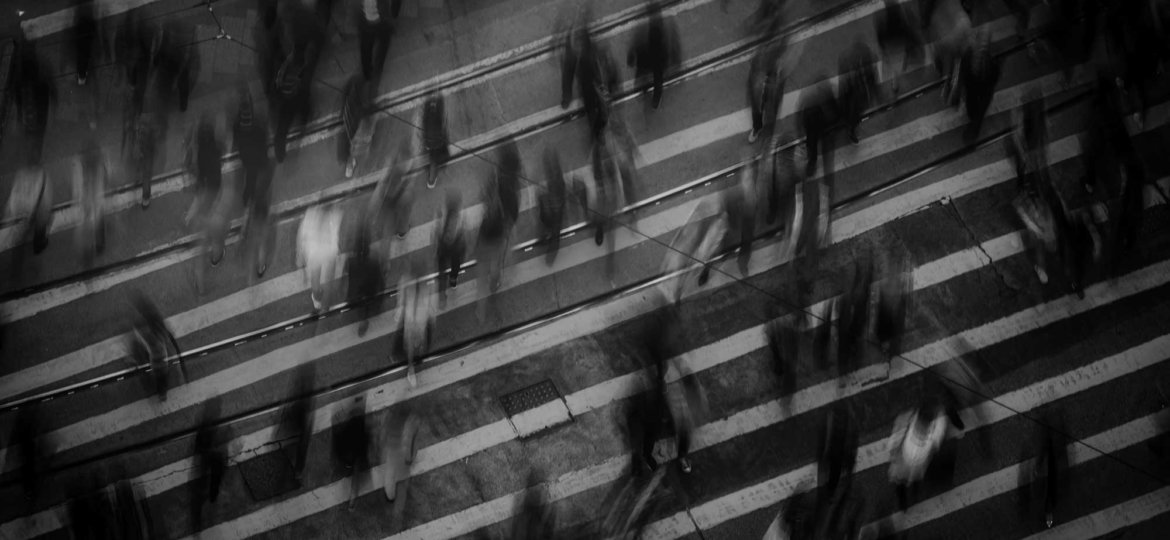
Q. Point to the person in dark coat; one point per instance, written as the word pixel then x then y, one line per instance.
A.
pixel 178 62
pixel 451 243
pixel 85 32
pixel 978 74
pixel 304 38
pixel 597 82
pixel 653 50
pixel 552 203
pixel 434 133
pixel 351 445
pixel 357 116
pixel 837 453
pixel 853 318
pixel 572 42
pixel 27 444
pixel 765 87
pixel 203 159
pixel 818 112
pixel 141 146
pixel 299 417
pixel 365 274
pixel 374 30
pixel 91 515
pixel 896 28
pixel 858 85
pixel 268 46
pixel 35 96
pixel 508 173
pixel 251 142
pixel 210 462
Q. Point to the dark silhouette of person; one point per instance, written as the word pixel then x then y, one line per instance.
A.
pixel 374 32
pixel 210 462
pixel 653 50
pixel 552 203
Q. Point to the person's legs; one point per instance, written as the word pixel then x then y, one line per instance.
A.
pixel 568 72
pixel 366 38
pixel 659 78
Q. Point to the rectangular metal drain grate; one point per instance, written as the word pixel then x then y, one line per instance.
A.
pixel 536 408
pixel 529 398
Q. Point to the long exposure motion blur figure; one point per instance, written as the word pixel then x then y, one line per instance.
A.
pixel 318 249
pixel 29 448
pixel 766 87
pixel 140 145
pixel 858 86
pixel 351 445
pixel 298 418
pixel 451 243
pixel 30 204
pixel 390 206
pixel 210 462
pixel 374 30
pixel 250 140
pixel 654 50
pixel 899 38
pixel 535 519
pixel 433 120
pixel 551 203
pixel 501 200
pixel 35 95
pixel 1034 205
pixel 358 119
pixel 979 72
pixel 416 319
pixel 178 62
pixel 294 76
pixel 364 267
pixel 152 344
pixel 397 445
pixel 90 175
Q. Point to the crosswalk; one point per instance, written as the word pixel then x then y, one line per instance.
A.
pixel 974 297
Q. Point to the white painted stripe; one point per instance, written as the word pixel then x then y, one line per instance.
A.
pixel 419 237
pixel 57 21
pixel 1103 522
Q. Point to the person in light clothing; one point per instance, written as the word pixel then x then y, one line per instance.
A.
pixel 317 250
pixel 416 317
pixel 916 439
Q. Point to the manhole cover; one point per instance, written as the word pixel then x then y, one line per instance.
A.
pixel 269 475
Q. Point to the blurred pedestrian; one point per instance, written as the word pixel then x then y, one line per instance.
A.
pixel 85 32
pixel 298 419
pixel 374 30
pixel 89 186
pixel 351 445
pixel 572 40
pixel 204 152
pixel 393 198
pixel 979 72
pixel 917 436
pixel 318 249
pixel 551 202
pixel 416 319
pixel 140 147
pixel 30 206
pixel 893 298
pixel 365 273
pixel 211 461
pixel 853 320
pixel 250 139
pixel 766 87
pixel 740 202
pixel 433 120
pixel 294 78
pixel 268 45
pixel 131 512
pixel 948 27
pixel 653 50
pixel 1047 475
pixel 492 245
pixel 597 82
pixel 451 243
pixel 154 346
pixel 784 345
pixel 357 114
pixel 837 457
pixel 91 516
pixel 30 450
pixel 397 447
pixel 858 86
pixel 178 62
pixel 898 36
pixel 35 96
pixel 818 112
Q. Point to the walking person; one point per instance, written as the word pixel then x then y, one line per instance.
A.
pixel 451 243
pixel 30 206
pixel 210 462
pixel 979 73
pixel 573 40
pixel 653 50
pixel 858 85
pixel 85 33
pixel 204 151
pixel 153 345
pixel 433 120
pixel 899 39
pixel 358 118
pixel 178 63
pixel 250 140
pixel 294 77
pixel 552 203
pixel 374 31
pixel 765 87
pixel 318 248
pixel 397 446
pixel 35 97
pixel 89 184
pixel 393 199
pixel 416 318
pixel 141 147
pixel 299 416
pixel 351 445
pixel 365 274
pixel 495 230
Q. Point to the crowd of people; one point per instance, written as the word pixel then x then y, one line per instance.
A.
pixel 1071 227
